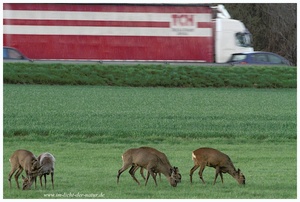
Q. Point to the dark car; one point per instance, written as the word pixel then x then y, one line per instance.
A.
pixel 10 53
pixel 258 58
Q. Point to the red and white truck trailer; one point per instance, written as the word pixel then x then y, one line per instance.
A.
pixel 125 32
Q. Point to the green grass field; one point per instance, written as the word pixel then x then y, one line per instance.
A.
pixel 87 128
pixel 150 75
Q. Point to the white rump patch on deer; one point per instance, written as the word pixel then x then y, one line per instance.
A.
pixel 193 156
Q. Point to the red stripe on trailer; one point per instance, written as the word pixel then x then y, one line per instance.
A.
pixel 205 25
pixel 145 8
pixel 113 47
pixel 96 23
pixel 85 23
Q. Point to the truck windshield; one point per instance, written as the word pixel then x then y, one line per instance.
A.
pixel 244 39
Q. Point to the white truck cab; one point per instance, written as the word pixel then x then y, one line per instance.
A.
pixel 231 36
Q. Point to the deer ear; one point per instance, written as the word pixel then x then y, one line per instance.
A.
pixel 172 171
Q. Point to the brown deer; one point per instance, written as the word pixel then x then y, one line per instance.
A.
pixel 154 151
pixel 47 162
pixel 151 160
pixel 24 160
pixel 213 158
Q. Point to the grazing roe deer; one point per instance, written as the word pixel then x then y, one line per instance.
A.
pixel 24 160
pixel 47 162
pixel 213 158
pixel 149 159
pixel 160 155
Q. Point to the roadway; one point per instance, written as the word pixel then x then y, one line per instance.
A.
pixel 119 62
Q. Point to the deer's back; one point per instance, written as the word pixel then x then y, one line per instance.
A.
pixel 211 157
pixel 163 158
pixel 141 156
pixel 46 158
pixel 47 161
pixel 22 157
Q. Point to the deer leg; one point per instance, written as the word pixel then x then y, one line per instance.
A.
pixel 221 175
pixel 52 175
pixel 201 172
pixel 13 170
pixel 19 171
pixel 148 174
pixel 34 178
pixel 41 181
pixel 157 174
pixel 142 173
pixel 192 171
pixel 217 173
pixel 45 180
pixel 136 167
pixel 132 171
pixel 153 176
pixel 125 167
pixel 34 182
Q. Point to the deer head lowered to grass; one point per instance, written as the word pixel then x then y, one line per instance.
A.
pixel 47 162
pixel 213 158
pixel 152 160
pixel 24 160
